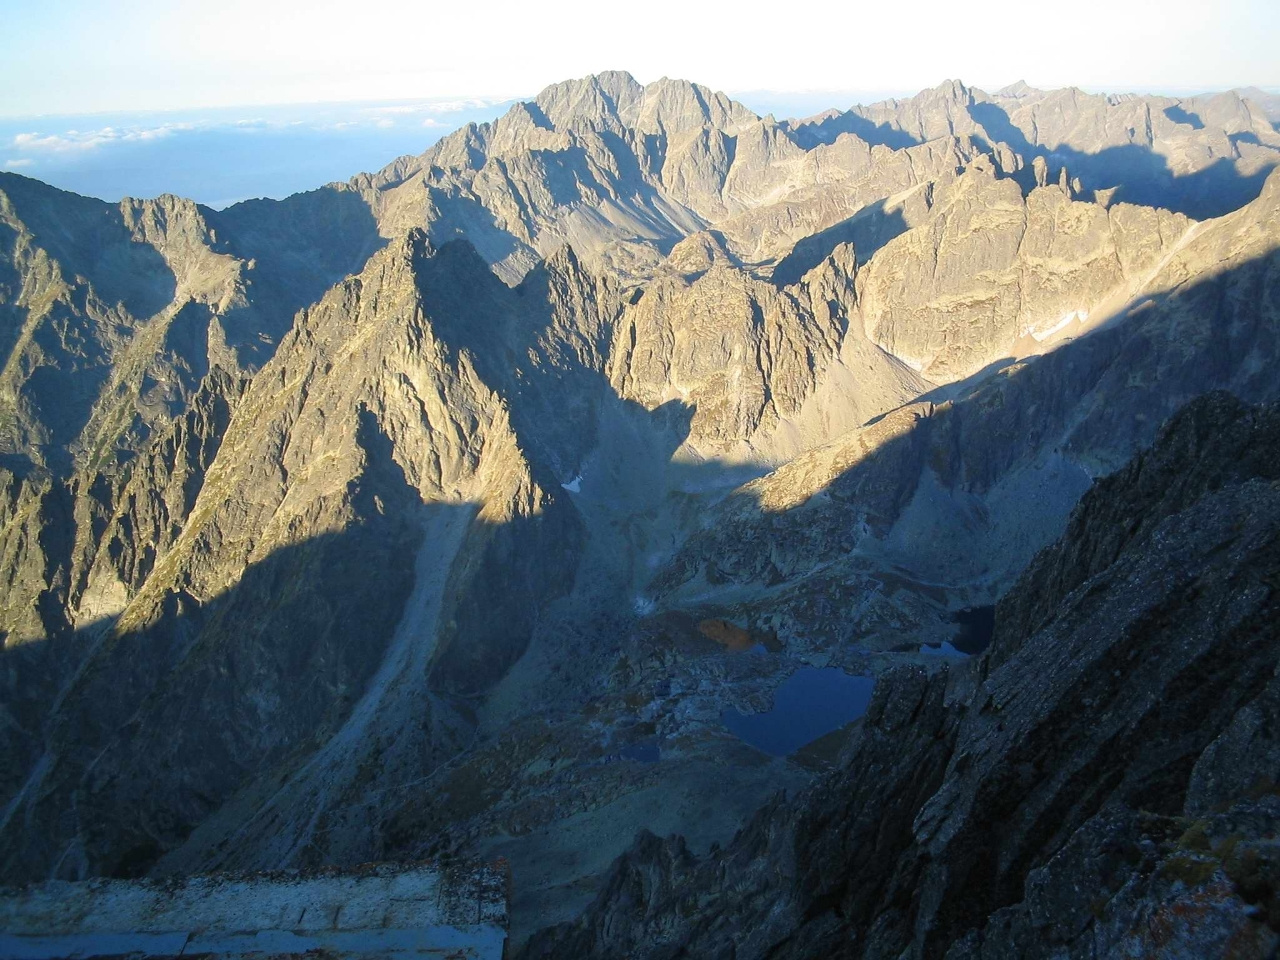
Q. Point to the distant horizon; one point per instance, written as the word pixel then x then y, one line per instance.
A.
pixel 841 97
pixel 219 156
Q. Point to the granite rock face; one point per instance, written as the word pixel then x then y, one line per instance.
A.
pixel 992 274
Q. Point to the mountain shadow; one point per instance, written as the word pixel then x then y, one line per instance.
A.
pixel 299 247
pixel 1179 114
pixel 160 721
pixel 986 791
pixel 91 239
pixel 868 230
pixel 170 718
pixel 1136 173
pixel 825 131
pixel 164 722
pixel 1117 706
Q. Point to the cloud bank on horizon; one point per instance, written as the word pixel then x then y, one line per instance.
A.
pixel 220 156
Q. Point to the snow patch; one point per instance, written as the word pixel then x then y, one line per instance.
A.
pixel 916 365
pixel 643 606
pixel 574 485
pixel 1042 335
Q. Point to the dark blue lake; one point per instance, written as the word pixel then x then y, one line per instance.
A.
pixel 810 703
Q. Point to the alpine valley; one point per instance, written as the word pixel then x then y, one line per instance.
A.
pixel 854 536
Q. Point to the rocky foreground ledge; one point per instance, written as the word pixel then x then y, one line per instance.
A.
pixel 379 910
pixel 1102 782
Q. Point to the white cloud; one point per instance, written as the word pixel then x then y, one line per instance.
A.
pixel 77 141
pixel 437 106
pixel 471 103
pixel 78 145
pixel 38 143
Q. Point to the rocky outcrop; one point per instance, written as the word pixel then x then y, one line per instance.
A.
pixel 1071 762
pixel 767 371
pixel 1214 443
pixel 742 353
pixel 1201 156
pixel 991 275
pixel 141 518
pixel 946 488
pixel 97 291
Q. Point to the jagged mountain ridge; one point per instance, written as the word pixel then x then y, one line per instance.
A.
pixel 306 393
pixel 1202 153
pixel 680 146
pixel 613 167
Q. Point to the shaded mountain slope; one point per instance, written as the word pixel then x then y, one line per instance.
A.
pixel 1040 800
pixel 300 528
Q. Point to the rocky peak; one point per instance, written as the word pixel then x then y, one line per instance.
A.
pixel 673 107
pixel 953 90
pixel 1018 90
pixel 942 111
pixel 590 103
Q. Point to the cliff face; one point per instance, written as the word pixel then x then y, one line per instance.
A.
pixel 1069 793
pixel 991 274
pixel 972 486
pixel 767 371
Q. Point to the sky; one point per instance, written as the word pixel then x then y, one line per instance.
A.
pixel 138 96
pixel 82 56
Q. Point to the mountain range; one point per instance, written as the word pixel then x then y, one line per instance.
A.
pixel 449 511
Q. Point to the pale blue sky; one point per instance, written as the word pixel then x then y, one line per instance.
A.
pixel 81 56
